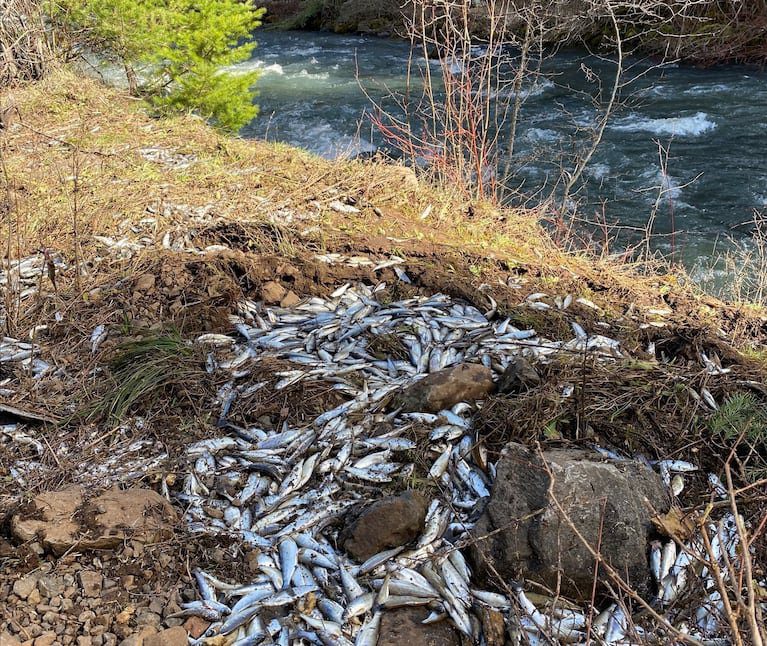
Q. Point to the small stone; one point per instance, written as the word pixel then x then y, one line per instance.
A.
pixel 176 636
pixel 518 377
pixel 46 639
pixel 195 626
pixel 145 283
pixel 24 586
pixel 125 615
pixel 272 292
pixel 84 640
pixel 50 586
pixel 145 617
pixel 34 597
pixel 91 583
pixel 138 639
pixel 6 639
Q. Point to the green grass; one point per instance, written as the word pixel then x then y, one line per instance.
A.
pixel 146 369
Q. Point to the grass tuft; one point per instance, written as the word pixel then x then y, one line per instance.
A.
pixel 143 370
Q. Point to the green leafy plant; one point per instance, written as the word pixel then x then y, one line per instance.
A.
pixel 176 53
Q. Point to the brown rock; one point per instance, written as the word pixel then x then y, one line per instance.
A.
pixel 145 283
pixel 6 639
pixel 526 536
pixel 46 639
pixel 23 587
pixel 466 382
pixel 387 523
pixel 91 583
pixel 175 636
pixel 194 626
pixel 290 299
pixel 403 627
pixel 272 292
pixel 63 519
pixel 139 638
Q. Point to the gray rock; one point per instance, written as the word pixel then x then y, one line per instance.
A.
pixel 387 523
pixel 466 382
pixel 610 503
pixel 519 376
pixel 50 586
pixel 145 617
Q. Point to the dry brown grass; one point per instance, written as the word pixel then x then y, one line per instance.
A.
pixel 72 126
pixel 25 54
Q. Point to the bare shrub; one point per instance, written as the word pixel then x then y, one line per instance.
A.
pixel 25 52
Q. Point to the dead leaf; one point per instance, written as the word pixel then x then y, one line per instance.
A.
pixel 675 524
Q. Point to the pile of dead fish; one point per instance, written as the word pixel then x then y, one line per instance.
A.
pixel 281 489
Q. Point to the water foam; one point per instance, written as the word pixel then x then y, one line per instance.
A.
pixel 692 126
pixel 256 65
pixel 598 171
pixel 320 76
pixel 542 135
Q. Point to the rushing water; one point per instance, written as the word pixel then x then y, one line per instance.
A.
pixel 713 121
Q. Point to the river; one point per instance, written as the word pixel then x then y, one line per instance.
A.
pixel 712 121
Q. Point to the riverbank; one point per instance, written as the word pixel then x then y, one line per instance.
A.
pixel 140 239
pixel 701 33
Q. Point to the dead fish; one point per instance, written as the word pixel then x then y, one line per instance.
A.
pixel 97 336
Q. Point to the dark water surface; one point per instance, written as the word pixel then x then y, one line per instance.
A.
pixel 713 121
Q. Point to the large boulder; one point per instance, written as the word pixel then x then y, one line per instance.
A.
pixel 64 519
pixel 387 523
pixel 523 534
pixel 466 382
